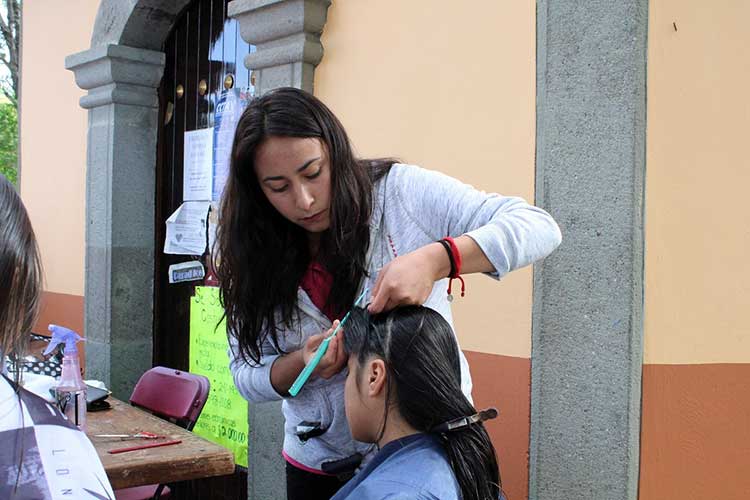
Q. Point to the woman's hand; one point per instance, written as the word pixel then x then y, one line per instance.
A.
pixel 408 279
pixel 335 357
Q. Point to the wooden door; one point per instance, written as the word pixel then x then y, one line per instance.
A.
pixel 203 50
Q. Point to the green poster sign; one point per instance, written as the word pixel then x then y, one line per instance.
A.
pixel 224 418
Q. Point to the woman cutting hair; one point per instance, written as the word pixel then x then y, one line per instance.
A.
pixel 306 226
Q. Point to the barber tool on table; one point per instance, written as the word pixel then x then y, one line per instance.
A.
pixel 139 435
pixel 156 444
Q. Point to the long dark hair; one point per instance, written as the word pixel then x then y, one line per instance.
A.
pixel 20 275
pixel 20 290
pixel 261 255
pixel 424 382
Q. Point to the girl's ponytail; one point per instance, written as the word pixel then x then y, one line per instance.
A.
pixel 422 360
pixel 473 461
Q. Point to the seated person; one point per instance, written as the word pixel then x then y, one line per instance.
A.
pixel 403 393
pixel 43 456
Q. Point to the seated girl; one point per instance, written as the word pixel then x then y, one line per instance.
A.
pixel 403 393
pixel 43 456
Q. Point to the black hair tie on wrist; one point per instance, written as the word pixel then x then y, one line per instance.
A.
pixel 464 422
pixel 447 247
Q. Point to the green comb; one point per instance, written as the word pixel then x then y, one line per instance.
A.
pixel 307 371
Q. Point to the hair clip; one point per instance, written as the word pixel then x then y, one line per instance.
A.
pixel 463 422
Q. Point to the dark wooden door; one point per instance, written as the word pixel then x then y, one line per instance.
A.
pixel 204 52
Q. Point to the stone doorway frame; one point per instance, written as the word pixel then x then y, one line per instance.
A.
pixel 121 72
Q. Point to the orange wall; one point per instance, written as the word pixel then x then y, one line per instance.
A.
pixel 53 136
pixel 695 442
pixel 450 88
pixel 698 174
pixel 438 99
pixel 695 437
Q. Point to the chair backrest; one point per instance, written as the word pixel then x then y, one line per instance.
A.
pixel 172 394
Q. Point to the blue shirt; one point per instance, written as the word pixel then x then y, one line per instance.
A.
pixel 413 467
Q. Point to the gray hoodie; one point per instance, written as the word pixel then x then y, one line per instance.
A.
pixel 412 207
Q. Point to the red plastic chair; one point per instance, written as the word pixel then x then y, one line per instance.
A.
pixel 173 395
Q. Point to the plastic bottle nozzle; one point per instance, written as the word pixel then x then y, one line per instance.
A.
pixel 62 335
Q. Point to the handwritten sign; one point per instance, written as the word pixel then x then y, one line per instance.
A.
pixel 224 418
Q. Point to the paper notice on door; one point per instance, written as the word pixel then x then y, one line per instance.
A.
pixel 197 181
pixel 228 112
pixel 186 229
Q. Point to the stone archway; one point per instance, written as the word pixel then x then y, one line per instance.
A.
pixel 121 72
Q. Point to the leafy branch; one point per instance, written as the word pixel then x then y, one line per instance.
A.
pixel 10 35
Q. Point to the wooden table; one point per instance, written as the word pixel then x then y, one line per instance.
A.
pixel 193 458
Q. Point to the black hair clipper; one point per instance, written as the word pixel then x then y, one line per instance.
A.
pixel 306 430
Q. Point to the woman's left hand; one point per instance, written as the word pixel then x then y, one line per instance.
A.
pixel 408 279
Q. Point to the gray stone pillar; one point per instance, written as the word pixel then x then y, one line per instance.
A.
pixel 286 34
pixel 588 295
pixel 122 105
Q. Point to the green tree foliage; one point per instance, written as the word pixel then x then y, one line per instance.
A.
pixel 8 141
pixel 10 37
pixel 10 44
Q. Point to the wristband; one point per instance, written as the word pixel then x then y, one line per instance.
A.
pixel 455 259
pixel 447 247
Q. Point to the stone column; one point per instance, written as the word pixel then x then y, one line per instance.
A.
pixel 286 36
pixel 588 295
pixel 123 111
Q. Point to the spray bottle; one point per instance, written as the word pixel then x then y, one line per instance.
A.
pixel 70 391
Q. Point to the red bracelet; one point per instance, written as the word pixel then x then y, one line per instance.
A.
pixel 456 259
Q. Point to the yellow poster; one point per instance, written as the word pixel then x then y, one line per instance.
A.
pixel 224 418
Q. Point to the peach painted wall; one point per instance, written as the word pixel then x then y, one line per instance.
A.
pixel 695 442
pixel 698 175
pixel 53 136
pixel 451 88
pixel 442 103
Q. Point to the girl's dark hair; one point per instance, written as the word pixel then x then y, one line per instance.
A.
pixel 261 255
pixel 424 382
pixel 20 275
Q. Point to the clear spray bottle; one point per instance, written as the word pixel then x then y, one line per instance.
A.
pixel 70 391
